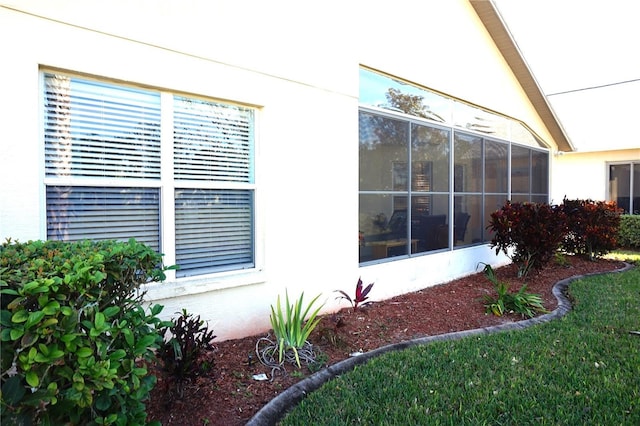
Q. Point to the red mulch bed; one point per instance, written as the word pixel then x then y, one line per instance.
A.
pixel 227 394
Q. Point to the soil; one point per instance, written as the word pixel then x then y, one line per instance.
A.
pixel 227 394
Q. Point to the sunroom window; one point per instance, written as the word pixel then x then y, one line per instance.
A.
pixel 432 169
pixel 171 171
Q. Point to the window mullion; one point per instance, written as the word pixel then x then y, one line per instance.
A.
pixel 168 231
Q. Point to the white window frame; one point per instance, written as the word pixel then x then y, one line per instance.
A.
pixel 166 185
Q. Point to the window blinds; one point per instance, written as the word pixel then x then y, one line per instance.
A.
pixel 213 230
pixel 212 141
pixel 103 170
pixel 100 213
pixel 97 130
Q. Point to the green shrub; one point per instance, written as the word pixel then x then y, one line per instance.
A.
pixel 75 336
pixel 629 231
pixel 592 227
pixel 521 302
pixel 534 232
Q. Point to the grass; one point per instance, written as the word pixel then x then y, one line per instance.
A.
pixel 581 369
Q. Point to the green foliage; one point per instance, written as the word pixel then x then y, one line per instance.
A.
pixel 560 259
pixel 592 227
pixel 629 231
pixel 521 302
pixel 580 370
pixel 534 232
pixel 291 325
pixel 189 337
pixel 75 337
pixel 360 298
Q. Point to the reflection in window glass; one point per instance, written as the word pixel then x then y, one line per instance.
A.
pixel 539 172
pixel 430 154
pixel 520 134
pixel 478 120
pixel 467 163
pixel 624 186
pixel 467 219
pixel 383 226
pixel 539 199
pixel 415 198
pixel 381 91
pixel 495 167
pixel 491 204
pixel 520 198
pixel 635 208
pixel 429 230
pixel 520 169
pixel 383 145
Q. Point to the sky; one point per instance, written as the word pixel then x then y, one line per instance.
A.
pixel 585 55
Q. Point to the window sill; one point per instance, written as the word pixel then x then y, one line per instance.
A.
pixel 202 284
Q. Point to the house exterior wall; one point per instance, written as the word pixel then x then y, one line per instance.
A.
pixel 584 174
pixel 300 69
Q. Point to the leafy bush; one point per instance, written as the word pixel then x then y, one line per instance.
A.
pixel 534 232
pixel 592 227
pixel 521 302
pixel 629 231
pixel 189 338
pixel 360 296
pixel 291 328
pixel 75 336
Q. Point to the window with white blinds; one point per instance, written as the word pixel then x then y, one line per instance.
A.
pixel 212 141
pixel 97 130
pixel 104 177
pixel 213 229
pixel 98 213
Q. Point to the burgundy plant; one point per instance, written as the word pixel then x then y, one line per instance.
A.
pixel 360 296
pixel 592 225
pixel 534 231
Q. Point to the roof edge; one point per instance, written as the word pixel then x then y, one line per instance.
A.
pixel 490 17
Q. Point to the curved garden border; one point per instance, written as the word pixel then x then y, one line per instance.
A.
pixel 275 409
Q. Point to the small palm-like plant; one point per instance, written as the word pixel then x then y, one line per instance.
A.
pixel 291 328
pixel 526 304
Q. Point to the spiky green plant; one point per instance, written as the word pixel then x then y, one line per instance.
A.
pixel 290 327
pixel 521 302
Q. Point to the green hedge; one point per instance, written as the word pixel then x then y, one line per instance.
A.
pixel 629 232
pixel 76 339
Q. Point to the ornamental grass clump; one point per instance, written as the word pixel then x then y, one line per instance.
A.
pixel 291 329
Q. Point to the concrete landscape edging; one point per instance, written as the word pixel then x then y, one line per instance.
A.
pixel 275 409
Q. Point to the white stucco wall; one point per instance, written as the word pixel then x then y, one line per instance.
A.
pixel 584 174
pixel 299 67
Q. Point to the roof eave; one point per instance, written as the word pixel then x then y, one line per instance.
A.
pixel 499 32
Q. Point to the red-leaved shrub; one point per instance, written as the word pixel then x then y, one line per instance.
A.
pixel 534 232
pixel 592 227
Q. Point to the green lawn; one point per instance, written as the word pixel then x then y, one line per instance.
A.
pixel 581 369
